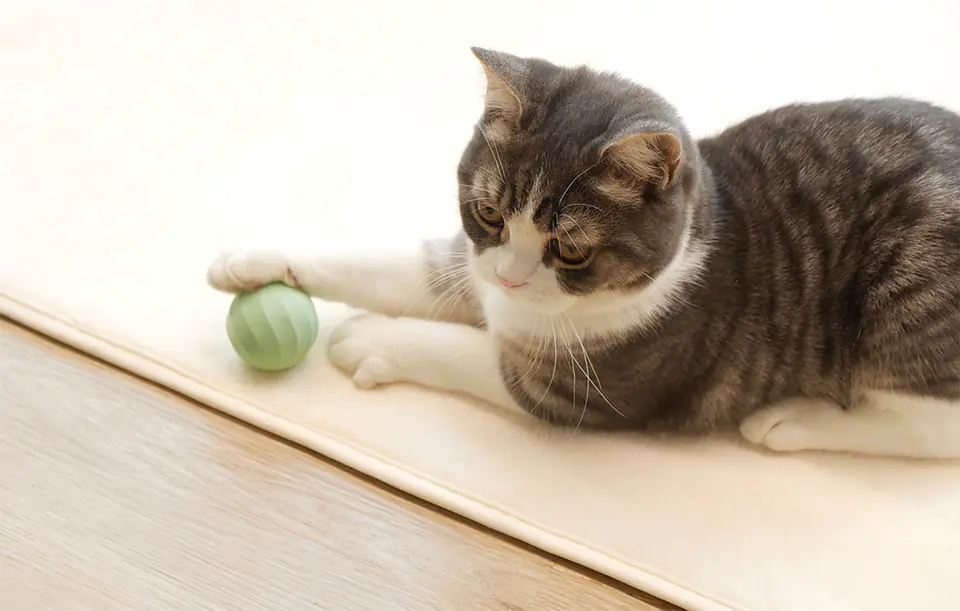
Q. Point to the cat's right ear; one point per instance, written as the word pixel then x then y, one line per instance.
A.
pixel 502 105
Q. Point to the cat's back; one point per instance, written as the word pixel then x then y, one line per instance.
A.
pixel 838 180
pixel 842 220
pixel 855 149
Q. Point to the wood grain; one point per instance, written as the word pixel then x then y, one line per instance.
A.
pixel 118 494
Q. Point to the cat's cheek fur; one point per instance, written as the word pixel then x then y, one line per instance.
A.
pixel 375 350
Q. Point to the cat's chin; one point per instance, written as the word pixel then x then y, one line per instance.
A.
pixel 535 304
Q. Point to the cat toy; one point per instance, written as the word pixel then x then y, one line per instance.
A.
pixel 273 327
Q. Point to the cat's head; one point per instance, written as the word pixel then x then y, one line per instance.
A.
pixel 576 183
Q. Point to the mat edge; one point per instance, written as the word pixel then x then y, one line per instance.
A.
pixel 376 467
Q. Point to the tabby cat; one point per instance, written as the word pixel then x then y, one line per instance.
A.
pixel 797 274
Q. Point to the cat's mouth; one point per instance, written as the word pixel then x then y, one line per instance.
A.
pixel 511 284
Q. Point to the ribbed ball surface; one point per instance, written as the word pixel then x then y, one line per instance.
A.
pixel 272 328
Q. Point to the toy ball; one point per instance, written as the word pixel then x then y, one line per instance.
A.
pixel 273 327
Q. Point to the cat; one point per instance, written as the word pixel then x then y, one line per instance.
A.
pixel 796 274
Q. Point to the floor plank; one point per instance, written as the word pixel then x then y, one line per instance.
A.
pixel 118 494
pixel 568 587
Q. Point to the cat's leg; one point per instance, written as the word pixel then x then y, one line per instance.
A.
pixel 883 424
pixel 433 283
pixel 376 350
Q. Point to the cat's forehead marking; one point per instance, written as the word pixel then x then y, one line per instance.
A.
pixel 524 233
pixel 524 197
pixel 532 209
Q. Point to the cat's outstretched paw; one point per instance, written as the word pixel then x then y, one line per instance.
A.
pixel 790 426
pixel 375 349
pixel 246 271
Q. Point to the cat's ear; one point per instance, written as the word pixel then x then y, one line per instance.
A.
pixel 502 104
pixel 651 155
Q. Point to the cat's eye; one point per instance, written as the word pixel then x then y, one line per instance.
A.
pixel 488 215
pixel 569 255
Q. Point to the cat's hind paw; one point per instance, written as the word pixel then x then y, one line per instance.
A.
pixel 247 271
pixel 790 426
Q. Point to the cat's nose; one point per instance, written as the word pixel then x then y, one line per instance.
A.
pixel 509 284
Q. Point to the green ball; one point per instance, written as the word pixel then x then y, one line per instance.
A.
pixel 273 327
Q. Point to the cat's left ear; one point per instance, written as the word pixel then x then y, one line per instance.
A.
pixel 649 155
pixel 502 105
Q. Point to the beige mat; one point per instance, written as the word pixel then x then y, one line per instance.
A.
pixel 137 139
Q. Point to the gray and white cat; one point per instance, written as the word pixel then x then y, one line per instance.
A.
pixel 797 275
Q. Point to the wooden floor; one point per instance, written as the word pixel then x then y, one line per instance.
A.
pixel 118 494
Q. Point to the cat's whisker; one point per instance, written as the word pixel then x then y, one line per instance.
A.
pixel 586 398
pixel 586 356
pixel 447 268
pixel 575 222
pixel 438 305
pixel 528 352
pixel 461 293
pixel 435 279
pixel 573 373
pixel 440 276
pixel 445 296
pixel 572 241
pixel 449 293
pixel 583 412
pixel 565 191
pixel 553 374
pixel 495 153
pixel 596 385
pixel 493 192
pixel 537 359
pixel 574 365
pixel 466 287
pixel 486 171
pixel 454 255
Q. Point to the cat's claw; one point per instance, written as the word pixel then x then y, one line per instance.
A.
pixel 249 270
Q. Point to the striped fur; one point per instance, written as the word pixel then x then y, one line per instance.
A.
pixel 825 240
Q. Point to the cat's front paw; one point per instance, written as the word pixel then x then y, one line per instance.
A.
pixel 249 270
pixel 375 349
